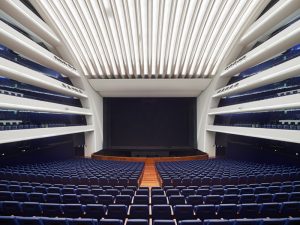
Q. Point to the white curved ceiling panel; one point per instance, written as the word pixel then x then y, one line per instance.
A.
pixel 149 38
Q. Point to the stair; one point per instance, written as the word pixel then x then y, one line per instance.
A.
pixel 150 177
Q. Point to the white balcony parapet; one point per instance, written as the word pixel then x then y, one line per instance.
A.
pixel 275 45
pixel 9 136
pixel 23 45
pixel 23 74
pixel 265 133
pixel 27 18
pixel 271 18
pixel 284 102
pixel 19 103
pixel 275 74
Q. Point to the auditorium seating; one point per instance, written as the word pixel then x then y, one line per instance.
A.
pixel 112 199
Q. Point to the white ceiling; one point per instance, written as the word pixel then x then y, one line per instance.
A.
pixel 149 87
pixel 148 38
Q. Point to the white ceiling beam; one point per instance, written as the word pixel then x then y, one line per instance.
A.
pixel 23 45
pixel 179 36
pixel 27 18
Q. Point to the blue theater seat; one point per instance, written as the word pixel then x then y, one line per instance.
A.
pixel 232 191
pixel 53 198
pixel 248 222
pixel 227 211
pixel 280 197
pixel 218 222
pixel 127 191
pixel 73 210
pixel 141 199
pixel 176 200
pixel 82 221
pixel 164 222
pixel 250 210
pixel 11 208
pixel 276 221
pixel 172 191
pixel 105 199
pixel 117 212
pixel 213 199
pixel 110 222
pixel 6 196
pixel 264 198
pixel 95 211
pixel 230 199
pixel 51 209
pixel 139 212
pixel 183 212
pixel 161 212
pixel 70 199
pixel 187 192
pixel 295 196
pixel 269 210
pixel 20 196
pixel 290 209
pixel 137 222
pixel 159 200
pixel 87 199
pixel 205 211
pixel 31 209
pixel 123 199
pixel 36 197
pixel 247 198
pixel 293 221
pixel 194 200
pixel 29 221
pixel 190 222
pixel 54 221
pixel 114 192
pixel 8 220
pixel 142 192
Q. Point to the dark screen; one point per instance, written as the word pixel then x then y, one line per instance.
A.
pixel 147 122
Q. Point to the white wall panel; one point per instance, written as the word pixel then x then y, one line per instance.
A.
pixel 19 103
pixel 9 136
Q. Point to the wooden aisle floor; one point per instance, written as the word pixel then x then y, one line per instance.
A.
pixel 150 176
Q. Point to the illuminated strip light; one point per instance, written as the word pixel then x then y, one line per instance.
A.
pixel 24 15
pixel 130 37
pixel 179 36
pixel 218 30
pixel 149 35
pixel 170 31
pixel 225 35
pixel 108 58
pixel 120 35
pixel 191 29
pixel 211 24
pixel 88 22
pixel 63 28
pixel 25 46
pixel 208 7
pixel 139 34
pixel 104 16
pixel 162 4
pixel 248 11
pixel 79 20
pixel 42 4
pixel 65 20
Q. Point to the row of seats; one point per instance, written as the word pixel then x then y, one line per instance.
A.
pixel 268 126
pixel 127 199
pixel 216 172
pixel 230 186
pixel 178 212
pixel 222 191
pixel 11 220
pixel 79 171
pixel 32 126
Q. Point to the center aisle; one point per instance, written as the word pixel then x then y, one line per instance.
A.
pixel 150 177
